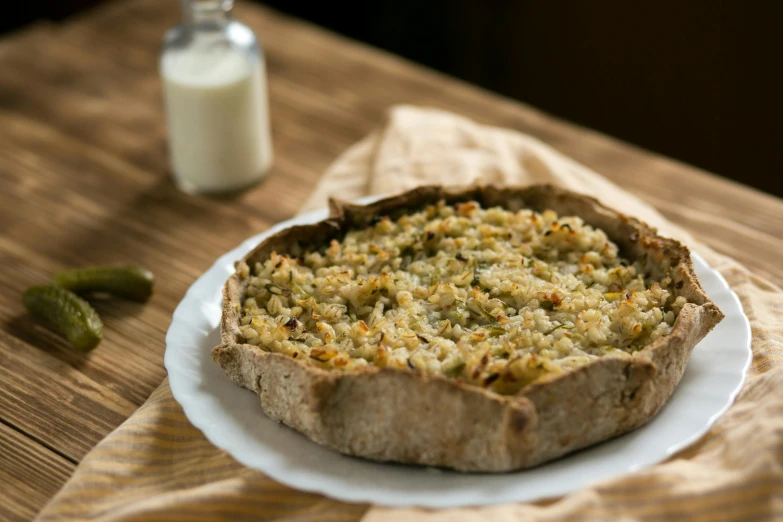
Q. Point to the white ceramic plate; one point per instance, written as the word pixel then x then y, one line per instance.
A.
pixel 232 419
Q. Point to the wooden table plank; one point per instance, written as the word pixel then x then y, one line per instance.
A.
pixel 82 152
pixel 53 402
pixel 27 483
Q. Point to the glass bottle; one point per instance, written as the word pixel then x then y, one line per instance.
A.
pixel 215 94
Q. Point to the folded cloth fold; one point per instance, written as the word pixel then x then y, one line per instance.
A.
pixel 156 466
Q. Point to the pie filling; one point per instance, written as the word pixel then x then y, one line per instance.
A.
pixel 491 297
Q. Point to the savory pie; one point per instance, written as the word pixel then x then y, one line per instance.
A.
pixel 482 329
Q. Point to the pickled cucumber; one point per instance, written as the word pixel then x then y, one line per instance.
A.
pixel 71 315
pixel 130 281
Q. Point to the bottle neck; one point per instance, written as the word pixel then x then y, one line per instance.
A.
pixel 207 13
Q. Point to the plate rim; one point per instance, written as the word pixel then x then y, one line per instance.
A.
pixel 190 405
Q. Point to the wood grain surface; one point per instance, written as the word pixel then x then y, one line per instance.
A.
pixel 84 180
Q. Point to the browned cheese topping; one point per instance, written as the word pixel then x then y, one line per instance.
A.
pixel 488 296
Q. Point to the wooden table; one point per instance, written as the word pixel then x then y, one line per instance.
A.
pixel 83 177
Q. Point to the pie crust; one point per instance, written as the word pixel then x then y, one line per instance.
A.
pixel 402 415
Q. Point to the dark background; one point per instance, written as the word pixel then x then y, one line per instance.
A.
pixel 699 81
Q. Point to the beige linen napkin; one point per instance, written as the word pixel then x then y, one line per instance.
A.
pixel 156 466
